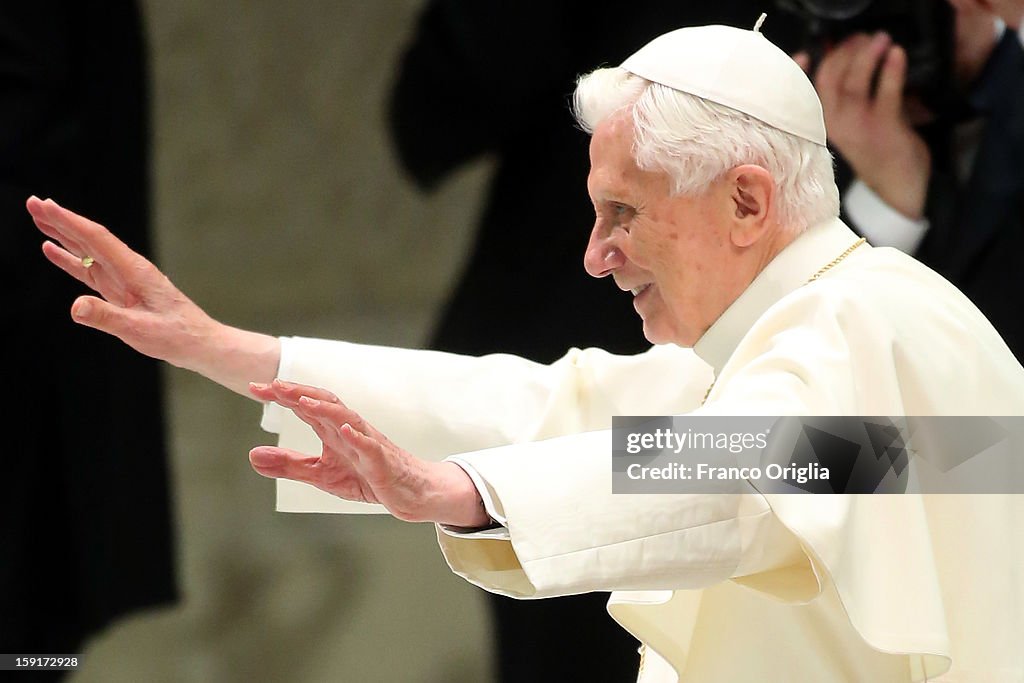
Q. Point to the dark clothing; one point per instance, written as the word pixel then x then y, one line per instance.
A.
pixel 496 78
pixel 85 517
pixel 976 227
pixel 976 238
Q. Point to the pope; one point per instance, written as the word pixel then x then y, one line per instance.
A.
pixel 716 211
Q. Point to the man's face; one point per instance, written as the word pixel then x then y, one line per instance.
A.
pixel 673 253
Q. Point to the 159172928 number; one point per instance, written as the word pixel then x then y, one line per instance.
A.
pixel 47 662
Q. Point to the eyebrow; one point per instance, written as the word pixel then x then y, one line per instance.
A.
pixel 611 198
pixel 601 192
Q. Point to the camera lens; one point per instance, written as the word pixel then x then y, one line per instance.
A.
pixel 835 10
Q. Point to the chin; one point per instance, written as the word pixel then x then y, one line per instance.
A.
pixel 657 334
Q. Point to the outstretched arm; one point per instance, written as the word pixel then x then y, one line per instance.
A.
pixel 139 305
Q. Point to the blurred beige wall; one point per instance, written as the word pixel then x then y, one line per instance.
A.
pixel 279 207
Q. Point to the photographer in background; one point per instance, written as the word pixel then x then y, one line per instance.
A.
pixel 931 148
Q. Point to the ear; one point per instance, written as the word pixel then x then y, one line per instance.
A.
pixel 751 193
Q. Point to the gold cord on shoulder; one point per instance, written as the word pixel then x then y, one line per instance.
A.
pixel 821 271
pixel 824 269
pixel 834 262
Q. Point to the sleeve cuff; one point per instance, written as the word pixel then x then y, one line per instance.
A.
pixel 492 506
pixel 272 412
pixel 882 225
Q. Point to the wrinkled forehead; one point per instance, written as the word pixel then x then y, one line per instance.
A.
pixel 613 166
pixel 612 140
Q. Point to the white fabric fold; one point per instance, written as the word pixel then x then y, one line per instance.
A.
pixel 748 586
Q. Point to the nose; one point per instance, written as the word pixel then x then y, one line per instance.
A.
pixel 602 257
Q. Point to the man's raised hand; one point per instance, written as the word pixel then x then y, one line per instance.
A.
pixel 361 464
pixel 861 86
pixel 136 302
pixel 140 306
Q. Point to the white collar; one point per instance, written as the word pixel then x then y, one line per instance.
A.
pixel 792 268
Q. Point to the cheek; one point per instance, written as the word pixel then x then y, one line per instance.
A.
pixel 673 257
pixel 656 247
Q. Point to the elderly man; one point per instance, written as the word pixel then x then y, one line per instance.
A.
pixel 716 210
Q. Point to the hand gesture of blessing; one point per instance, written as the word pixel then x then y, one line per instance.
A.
pixel 137 303
pixel 359 463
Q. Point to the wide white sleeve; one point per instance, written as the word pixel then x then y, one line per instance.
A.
pixel 568 533
pixel 437 404
pixel 866 348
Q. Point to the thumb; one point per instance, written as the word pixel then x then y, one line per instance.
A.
pixel 94 312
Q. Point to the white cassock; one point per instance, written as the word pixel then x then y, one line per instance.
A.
pixel 726 588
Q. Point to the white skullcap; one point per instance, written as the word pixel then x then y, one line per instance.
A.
pixel 739 69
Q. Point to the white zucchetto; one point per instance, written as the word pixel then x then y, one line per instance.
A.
pixel 736 68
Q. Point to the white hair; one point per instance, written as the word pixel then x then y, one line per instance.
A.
pixel 696 141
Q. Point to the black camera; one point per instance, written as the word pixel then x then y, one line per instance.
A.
pixel 924 28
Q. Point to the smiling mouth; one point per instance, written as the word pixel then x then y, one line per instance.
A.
pixel 637 291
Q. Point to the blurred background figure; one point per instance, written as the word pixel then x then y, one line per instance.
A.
pixel 495 79
pixel 85 517
pixel 924 105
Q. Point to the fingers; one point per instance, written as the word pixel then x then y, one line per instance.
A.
pixel 321 406
pixel 397 480
pixel 847 73
pixel 356 458
pixel 70 244
pixel 861 86
pixel 374 458
pixel 339 479
pixel 357 462
pixel 889 98
pixel 288 393
pixel 47 216
pixel 68 262
pixel 283 463
pixel 346 435
pixel 332 418
pixel 317 407
pixel 864 65
pixel 833 69
pixel 81 236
